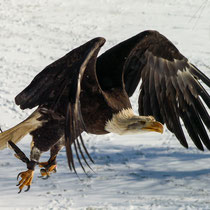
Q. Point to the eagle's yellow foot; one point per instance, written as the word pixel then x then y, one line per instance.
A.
pixel 26 180
pixel 48 167
pixel 46 172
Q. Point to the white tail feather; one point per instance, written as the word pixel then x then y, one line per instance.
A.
pixel 16 133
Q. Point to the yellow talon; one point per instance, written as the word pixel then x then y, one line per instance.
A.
pixel 44 172
pixel 47 172
pixel 27 177
pixel 52 169
pixel 48 167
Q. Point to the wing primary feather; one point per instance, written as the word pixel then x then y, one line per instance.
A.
pixel 82 123
pixel 82 154
pixel 191 131
pixel 186 110
pixel 162 98
pixel 147 110
pixel 77 143
pixel 153 97
pixel 166 89
pixel 203 93
pixel 198 126
pixel 199 75
pixel 86 151
pixel 72 136
pixel 196 122
pixel 78 123
pixel 140 102
pixel 174 123
pixel 157 92
pixel 202 112
pixel 163 104
pixel 76 133
pixel 69 136
pixel 78 157
pixel 197 89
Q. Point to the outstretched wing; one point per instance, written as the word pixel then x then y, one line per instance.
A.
pixel 62 79
pixel 74 121
pixel 47 87
pixel 170 87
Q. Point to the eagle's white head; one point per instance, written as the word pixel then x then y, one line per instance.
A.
pixel 126 122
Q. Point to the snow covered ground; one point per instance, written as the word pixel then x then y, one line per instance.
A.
pixel 150 171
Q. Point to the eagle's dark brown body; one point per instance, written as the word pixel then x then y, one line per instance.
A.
pixel 83 92
pixel 94 108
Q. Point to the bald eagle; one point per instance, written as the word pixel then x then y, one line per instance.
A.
pixel 82 92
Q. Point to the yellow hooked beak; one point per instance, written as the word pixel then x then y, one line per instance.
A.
pixel 153 126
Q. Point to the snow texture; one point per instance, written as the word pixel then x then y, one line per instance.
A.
pixel 149 171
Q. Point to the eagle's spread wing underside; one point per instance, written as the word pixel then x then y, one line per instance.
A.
pixel 170 87
pixel 170 90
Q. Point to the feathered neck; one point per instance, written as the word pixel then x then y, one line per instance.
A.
pixel 120 121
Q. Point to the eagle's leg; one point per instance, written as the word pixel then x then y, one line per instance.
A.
pixel 27 176
pixel 49 167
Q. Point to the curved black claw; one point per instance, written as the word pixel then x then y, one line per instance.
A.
pixel 45 178
pixel 18 175
pixel 43 170
pixel 27 177
pixel 29 186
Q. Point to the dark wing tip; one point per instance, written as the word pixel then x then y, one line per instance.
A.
pixel 96 42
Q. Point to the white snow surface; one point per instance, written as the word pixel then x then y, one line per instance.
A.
pixel 149 171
